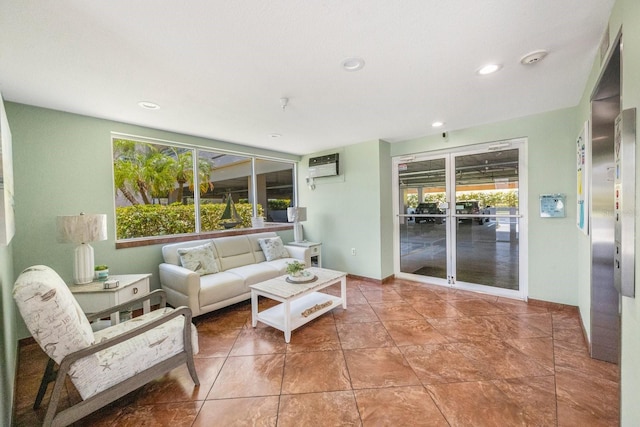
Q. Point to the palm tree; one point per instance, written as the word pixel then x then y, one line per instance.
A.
pixel 182 169
pixel 141 169
pixel 128 166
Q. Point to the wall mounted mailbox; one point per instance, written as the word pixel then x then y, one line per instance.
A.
pixel 553 205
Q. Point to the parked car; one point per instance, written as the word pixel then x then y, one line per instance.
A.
pixel 410 211
pixel 428 209
pixel 469 207
pixel 472 207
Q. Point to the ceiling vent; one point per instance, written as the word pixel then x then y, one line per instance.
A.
pixel 533 57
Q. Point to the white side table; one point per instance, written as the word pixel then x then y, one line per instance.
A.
pixel 315 249
pixel 92 297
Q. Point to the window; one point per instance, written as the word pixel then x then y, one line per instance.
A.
pixel 165 189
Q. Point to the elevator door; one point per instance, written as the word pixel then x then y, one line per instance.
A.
pixel 605 319
pixel 460 221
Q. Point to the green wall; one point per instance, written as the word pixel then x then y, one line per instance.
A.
pixel 551 167
pixel 8 329
pixel 8 335
pixel 352 210
pixel 63 167
pixel 625 16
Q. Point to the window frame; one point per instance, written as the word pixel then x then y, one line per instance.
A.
pixel 198 234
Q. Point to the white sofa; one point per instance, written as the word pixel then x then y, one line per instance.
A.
pixel 241 263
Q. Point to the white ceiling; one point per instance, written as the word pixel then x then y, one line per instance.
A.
pixel 219 68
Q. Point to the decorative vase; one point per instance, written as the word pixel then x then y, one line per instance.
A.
pixel 102 275
pixel 295 275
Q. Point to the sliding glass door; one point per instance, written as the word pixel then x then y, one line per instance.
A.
pixel 423 225
pixel 459 218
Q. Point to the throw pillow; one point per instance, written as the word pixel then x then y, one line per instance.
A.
pixel 273 248
pixel 200 259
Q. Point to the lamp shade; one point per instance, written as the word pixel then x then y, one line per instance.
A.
pixel 82 228
pixel 297 214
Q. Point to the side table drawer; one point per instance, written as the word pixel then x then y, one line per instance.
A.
pixel 132 291
pixel 315 250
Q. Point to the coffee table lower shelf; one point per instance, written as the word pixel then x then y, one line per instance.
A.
pixel 297 300
pixel 275 316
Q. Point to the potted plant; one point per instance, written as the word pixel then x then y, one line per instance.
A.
pixel 102 272
pixel 295 268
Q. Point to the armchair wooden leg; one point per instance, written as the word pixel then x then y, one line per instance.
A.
pixel 49 376
pixel 192 369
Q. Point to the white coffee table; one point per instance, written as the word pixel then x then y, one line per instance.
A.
pixel 300 302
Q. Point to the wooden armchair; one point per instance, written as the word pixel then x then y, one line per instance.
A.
pixel 107 364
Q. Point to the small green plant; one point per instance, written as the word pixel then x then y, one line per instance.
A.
pixel 295 267
pixel 102 267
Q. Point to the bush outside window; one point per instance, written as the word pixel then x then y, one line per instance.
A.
pixel 163 189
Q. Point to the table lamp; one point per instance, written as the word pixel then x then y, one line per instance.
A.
pixel 82 229
pixel 297 215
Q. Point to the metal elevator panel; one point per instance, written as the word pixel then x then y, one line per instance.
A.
pixel 605 319
pixel 625 203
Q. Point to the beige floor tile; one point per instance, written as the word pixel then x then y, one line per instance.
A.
pixel 315 371
pixel 402 353
pixel 398 406
pixel 239 412
pixel 364 335
pixel 379 367
pixel 249 376
pixel 336 408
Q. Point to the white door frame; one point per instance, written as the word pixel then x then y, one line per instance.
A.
pixel 523 270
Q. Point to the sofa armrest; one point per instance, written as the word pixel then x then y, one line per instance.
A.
pixel 182 281
pixel 301 253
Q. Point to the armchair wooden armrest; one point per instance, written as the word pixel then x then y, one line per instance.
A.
pixel 107 396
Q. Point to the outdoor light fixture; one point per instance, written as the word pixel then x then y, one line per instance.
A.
pixel 82 229
pixel 297 215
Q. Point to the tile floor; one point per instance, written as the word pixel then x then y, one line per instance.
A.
pixel 402 354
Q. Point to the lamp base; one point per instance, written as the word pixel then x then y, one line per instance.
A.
pixel 83 266
pixel 298 235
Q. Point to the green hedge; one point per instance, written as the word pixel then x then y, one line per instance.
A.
pixel 485 198
pixel 278 204
pixel 158 220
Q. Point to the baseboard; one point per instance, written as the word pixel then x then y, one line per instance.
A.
pixel 369 279
pixel 554 306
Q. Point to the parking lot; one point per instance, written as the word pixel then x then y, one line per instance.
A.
pixel 487 253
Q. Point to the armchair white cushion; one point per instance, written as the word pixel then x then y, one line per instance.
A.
pixel 108 364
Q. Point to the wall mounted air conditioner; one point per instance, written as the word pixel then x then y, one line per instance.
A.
pixel 324 166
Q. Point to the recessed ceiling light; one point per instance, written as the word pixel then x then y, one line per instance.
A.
pixel 147 105
pixel 274 135
pixel 533 57
pixel 353 64
pixel 437 124
pixel 489 69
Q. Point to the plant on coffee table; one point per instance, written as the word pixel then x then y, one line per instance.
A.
pixel 295 268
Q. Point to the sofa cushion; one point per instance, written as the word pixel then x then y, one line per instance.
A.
pixel 170 251
pixel 273 248
pixel 200 259
pixel 255 273
pixel 281 264
pixel 255 245
pixel 219 287
pixel 234 251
